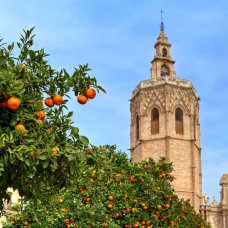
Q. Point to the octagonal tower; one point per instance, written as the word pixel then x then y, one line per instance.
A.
pixel 165 122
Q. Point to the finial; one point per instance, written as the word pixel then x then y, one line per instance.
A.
pixel 162 24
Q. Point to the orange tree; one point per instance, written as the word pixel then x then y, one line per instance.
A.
pixel 38 144
pixel 65 181
pixel 111 191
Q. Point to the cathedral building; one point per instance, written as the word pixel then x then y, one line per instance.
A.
pixel 165 123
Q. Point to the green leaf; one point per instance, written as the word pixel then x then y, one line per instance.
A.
pixel 84 140
pixel 43 157
pixel 29 140
pixel 27 162
pixel 45 164
pixel 74 132
pixel 70 114
pixel 2 60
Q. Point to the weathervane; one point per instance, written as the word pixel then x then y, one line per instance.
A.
pixel 162 24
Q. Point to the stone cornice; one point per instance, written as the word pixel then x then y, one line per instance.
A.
pixel 162 81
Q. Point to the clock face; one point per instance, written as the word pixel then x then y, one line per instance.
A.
pixel 164 71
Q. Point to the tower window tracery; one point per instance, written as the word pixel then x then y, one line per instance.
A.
pixel 179 121
pixel 164 71
pixel 154 121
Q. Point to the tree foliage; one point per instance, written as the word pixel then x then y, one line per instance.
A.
pixel 40 156
pixel 65 181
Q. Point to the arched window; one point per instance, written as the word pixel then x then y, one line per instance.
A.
pixel 154 121
pixel 164 52
pixel 164 70
pixel 137 127
pixel 179 121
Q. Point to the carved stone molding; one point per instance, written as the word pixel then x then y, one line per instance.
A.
pixel 179 97
pixel 155 96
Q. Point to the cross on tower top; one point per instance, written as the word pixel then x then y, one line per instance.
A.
pixel 162 24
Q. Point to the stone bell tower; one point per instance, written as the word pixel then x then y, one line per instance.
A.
pixel 165 122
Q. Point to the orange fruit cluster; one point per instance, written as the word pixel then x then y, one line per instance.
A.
pixel 90 93
pixel 56 100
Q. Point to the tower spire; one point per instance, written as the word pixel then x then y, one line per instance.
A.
pixel 162 23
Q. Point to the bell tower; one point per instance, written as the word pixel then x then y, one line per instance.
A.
pixel 165 122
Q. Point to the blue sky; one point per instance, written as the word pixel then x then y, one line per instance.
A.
pixel 116 38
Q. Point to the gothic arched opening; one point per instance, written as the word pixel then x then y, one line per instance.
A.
pixel 164 71
pixel 179 121
pixel 164 52
pixel 137 127
pixel 154 121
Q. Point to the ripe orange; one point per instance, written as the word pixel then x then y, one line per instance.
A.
pixel 110 206
pixel 166 196
pixel 104 224
pixel 111 198
pixel 40 114
pixel 90 93
pixel 145 208
pixel 159 207
pixel 147 167
pixel 66 221
pixel 49 102
pixel 103 149
pixel 26 223
pixel 82 190
pixel 167 206
pixel 162 175
pixel 88 200
pixel 133 179
pixel 137 224
pixel 126 196
pixel 13 103
pixel 118 175
pixel 61 200
pixel 55 151
pixel 82 99
pixel 58 99
pixel 20 127
pixel 64 210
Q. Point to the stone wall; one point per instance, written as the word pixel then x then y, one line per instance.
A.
pixel 217 213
